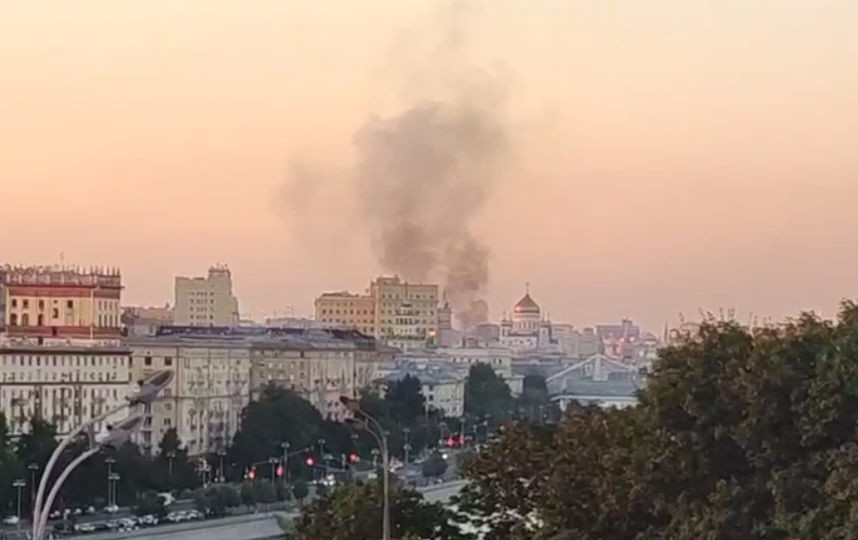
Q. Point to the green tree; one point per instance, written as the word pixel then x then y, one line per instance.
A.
pixel 300 490
pixel 738 434
pixel 277 416
pixel 405 400
pixel 217 500
pixel 38 443
pixel 353 512
pixel 172 468
pixel 435 466
pixel 486 394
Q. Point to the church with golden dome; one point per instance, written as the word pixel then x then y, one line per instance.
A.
pixel 526 329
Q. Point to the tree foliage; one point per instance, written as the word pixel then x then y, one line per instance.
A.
pixel 354 512
pixel 486 394
pixel 435 466
pixel 738 434
pixel 405 399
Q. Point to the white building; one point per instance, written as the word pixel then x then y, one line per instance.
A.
pixel 65 382
pixel 443 389
pixel 61 358
pixel 210 387
pixel 598 380
pixel 206 301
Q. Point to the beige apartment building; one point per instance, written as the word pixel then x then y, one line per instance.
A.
pixel 53 301
pixel 63 383
pixel 209 389
pixel 206 301
pixel 61 358
pixel 404 315
pixel 347 310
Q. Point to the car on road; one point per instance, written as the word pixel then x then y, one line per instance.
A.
pixel 84 527
pixel 111 509
pixel 12 520
pixel 147 521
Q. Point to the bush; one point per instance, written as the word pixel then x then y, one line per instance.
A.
pixel 300 490
pixel 150 503
pixel 435 466
pixel 264 492
pixel 283 492
pixel 247 497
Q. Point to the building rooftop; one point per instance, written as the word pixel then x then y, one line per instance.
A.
pixel 526 305
pixel 261 337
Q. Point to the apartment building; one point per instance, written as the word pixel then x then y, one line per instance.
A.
pixel 404 315
pixel 62 382
pixel 319 365
pixel 209 389
pixel 52 301
pixel 347 310
pixel 206 301
pixel 60 350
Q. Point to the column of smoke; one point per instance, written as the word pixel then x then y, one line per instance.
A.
pixel 422 178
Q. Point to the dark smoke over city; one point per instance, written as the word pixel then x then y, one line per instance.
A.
pixel 422 177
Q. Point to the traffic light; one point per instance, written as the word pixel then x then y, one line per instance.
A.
pixel 280 471
pixel 353 457
pixel 310 461
pixel 251 474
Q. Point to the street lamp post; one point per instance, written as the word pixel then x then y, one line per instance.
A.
pixel 378 433
pixel 322 456
pixel 285 447
pixel 407 446
pixel 112 481
pixel 32 467
pixel 19 484
pixel 149 390
pixel 116 437
pixel 109 461
pixel 170 457
pixel 221 454
pixel 273 461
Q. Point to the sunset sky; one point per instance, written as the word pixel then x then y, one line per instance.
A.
pixel 664 156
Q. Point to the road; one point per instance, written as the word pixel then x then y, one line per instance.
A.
pixel 432 493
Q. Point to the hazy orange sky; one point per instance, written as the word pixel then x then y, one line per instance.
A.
pixel 665 156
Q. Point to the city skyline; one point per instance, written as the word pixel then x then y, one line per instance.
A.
pixel 664 159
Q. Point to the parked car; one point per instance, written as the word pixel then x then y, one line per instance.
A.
pixel 111 509
pixel 12 520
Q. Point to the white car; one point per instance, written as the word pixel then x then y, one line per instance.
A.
pixel 12 520
pixel 111 509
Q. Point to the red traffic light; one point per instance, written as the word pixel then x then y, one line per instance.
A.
pixel 280 471
pixel 354 458
pixel 251 473
pixel 310 461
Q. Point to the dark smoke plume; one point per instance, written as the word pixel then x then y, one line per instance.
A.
pixel 423 176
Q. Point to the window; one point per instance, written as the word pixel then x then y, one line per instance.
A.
pixel 41 304
pixel 147 361
pixel 70 304
pixel 55 313
pixel 13 319
pixel 14 302
pixel 26 303
pixel 168 361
